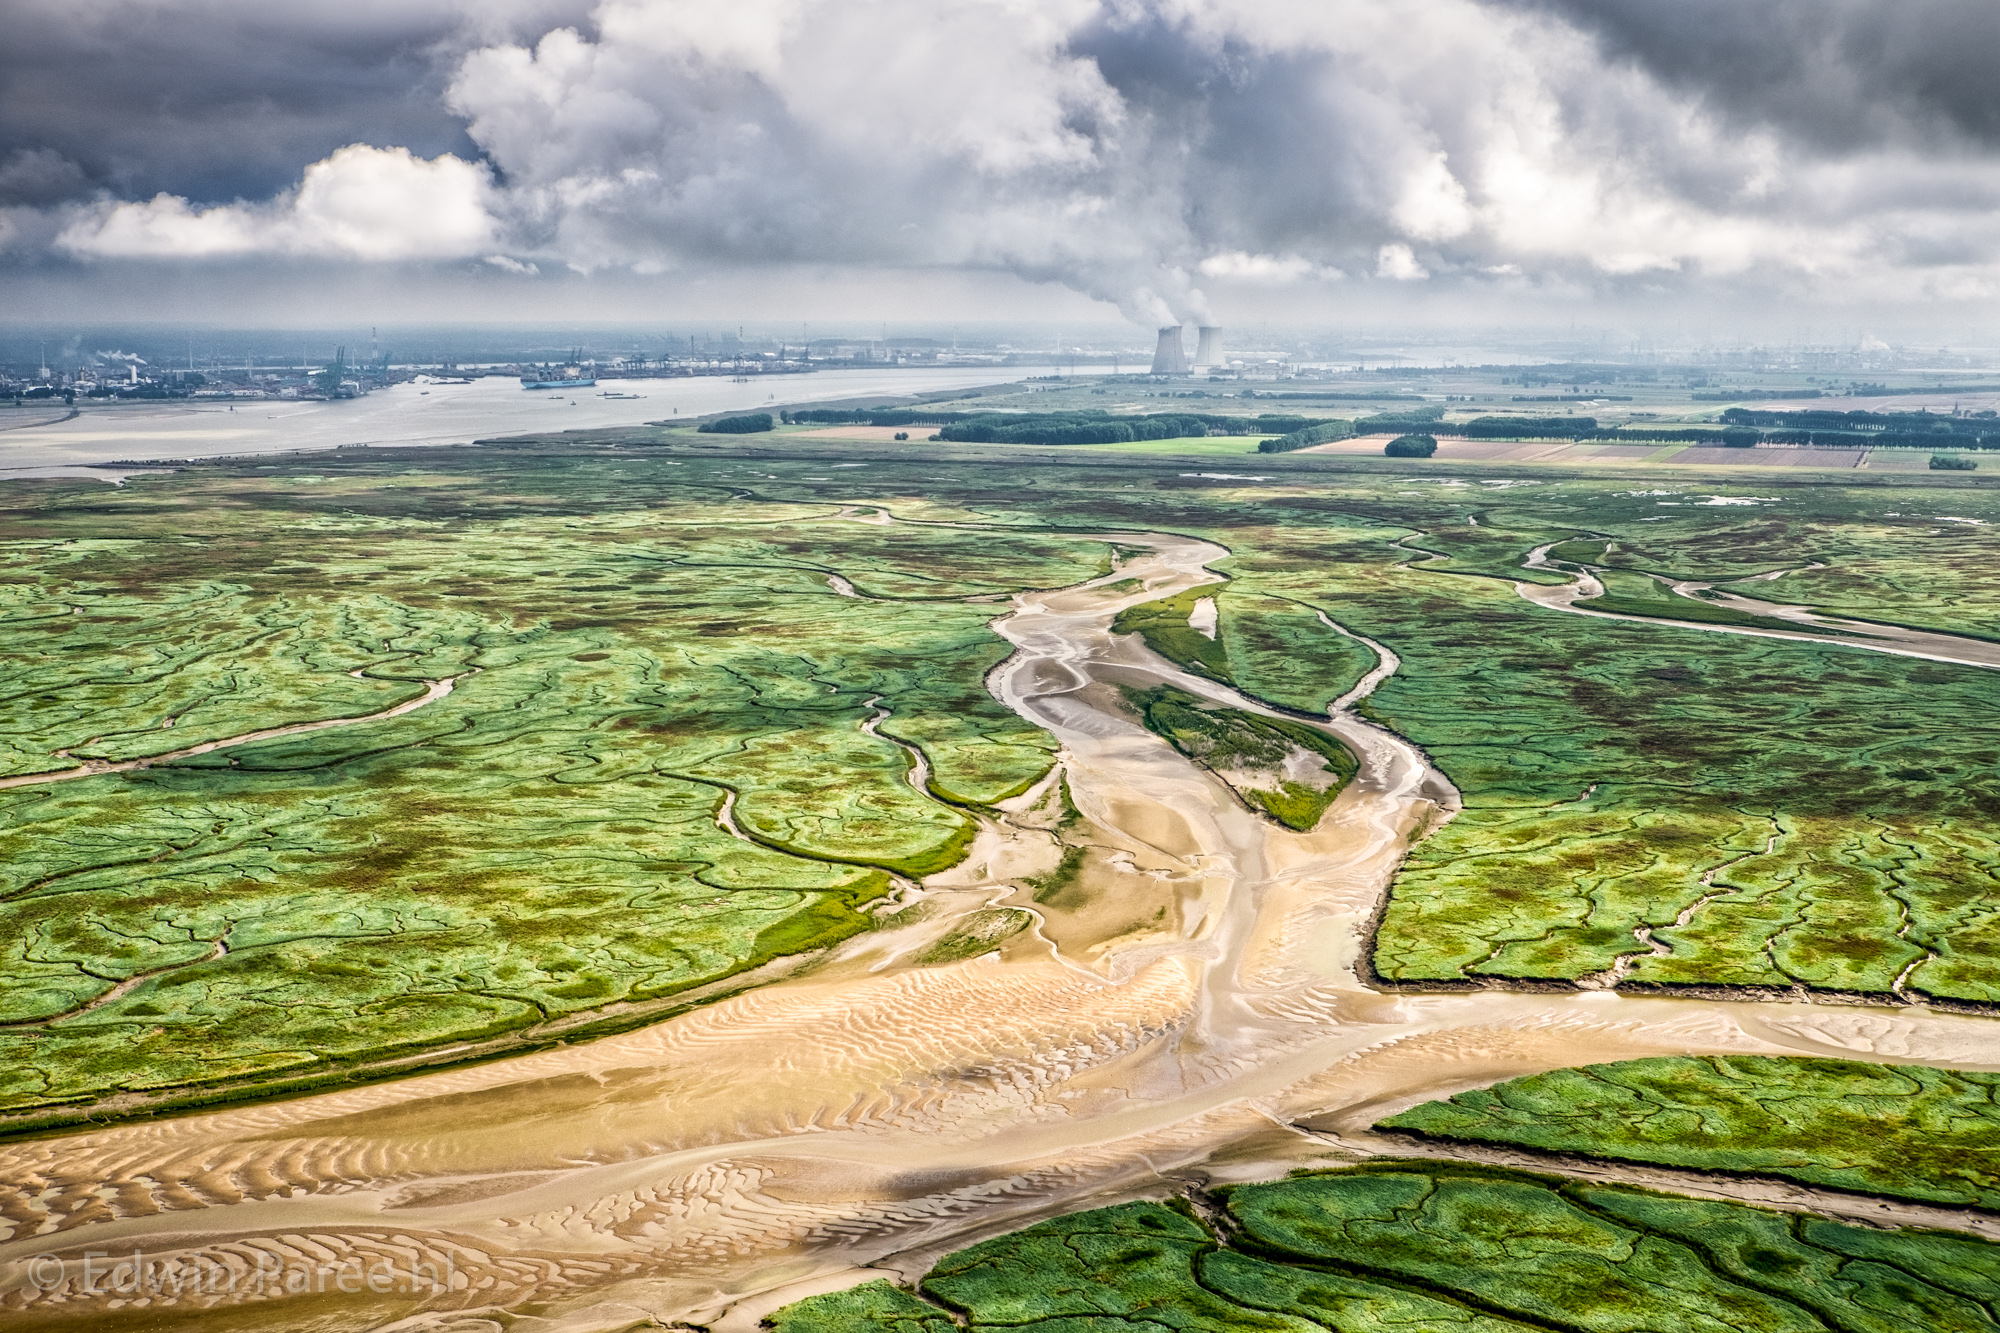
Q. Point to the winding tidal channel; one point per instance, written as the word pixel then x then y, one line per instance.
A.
pixel 865 1114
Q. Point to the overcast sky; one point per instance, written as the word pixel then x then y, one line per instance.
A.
pixel 1184 160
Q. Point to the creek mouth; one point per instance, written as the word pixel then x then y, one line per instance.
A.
pixel 1176 1024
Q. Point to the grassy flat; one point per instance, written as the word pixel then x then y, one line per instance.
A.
pixel 642 632
pixel 1277 649
pixel 1775 814
pixel 1190 446
pixel 540 845
pixel 1285 770
pixel 1904 1131
pixel 1397 1248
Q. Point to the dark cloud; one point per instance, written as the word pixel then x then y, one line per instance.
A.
pixel 1265 149
pixel 220 99
pixel 1837 74
pixel 37 177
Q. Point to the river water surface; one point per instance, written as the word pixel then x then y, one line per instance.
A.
pixel 410 414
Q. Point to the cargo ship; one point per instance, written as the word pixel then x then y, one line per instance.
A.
pixel 569 377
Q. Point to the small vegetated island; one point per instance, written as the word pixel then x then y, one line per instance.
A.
pixel 325 769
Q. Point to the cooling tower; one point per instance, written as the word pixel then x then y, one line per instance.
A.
pixel 1170 358
pixel 1208 347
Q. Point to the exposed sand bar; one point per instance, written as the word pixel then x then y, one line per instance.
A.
pixel 869 1111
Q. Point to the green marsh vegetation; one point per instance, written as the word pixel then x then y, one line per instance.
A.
pixel 1775 814
pixel 1273 647
pixel 654 625
pixel 1903 1131
pixel 542 845
pixel 1392 1247
pixel 1165 628
pixel 1916 555
pixel 1631 593
pixel 1289 771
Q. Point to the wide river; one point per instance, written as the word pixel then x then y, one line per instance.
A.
pixel 408 414
pixel 863 1115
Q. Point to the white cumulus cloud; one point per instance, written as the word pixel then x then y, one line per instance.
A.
pixel 1399 263
pixel 359 203
pixel 1237 265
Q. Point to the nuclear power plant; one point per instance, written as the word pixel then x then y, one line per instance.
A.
pixel 1170 357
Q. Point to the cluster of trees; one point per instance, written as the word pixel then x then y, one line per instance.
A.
pixel 1736 395
pixel 1744 428
pixel 1532 428
pixel 870 416
pixel 1952 463
pixel 750 423
pixel 1402 416
pixel 1671 434
pixel 1095 426
pixel 1306 437
pixel 1860 429
pixel 1732 437
pixel 1103 428
pixel 1411 446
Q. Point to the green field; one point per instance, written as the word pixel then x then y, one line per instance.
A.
pixel 1187 446
pixel 1423 1248
pixel 1907 1132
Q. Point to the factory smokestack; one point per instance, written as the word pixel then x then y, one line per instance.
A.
pixel 1208 347
pixel 1170 357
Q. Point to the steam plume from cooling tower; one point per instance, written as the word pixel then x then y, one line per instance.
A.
pixel 1170 357
pixel 1208 347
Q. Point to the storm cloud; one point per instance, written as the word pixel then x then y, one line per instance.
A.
pixel 1158 156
